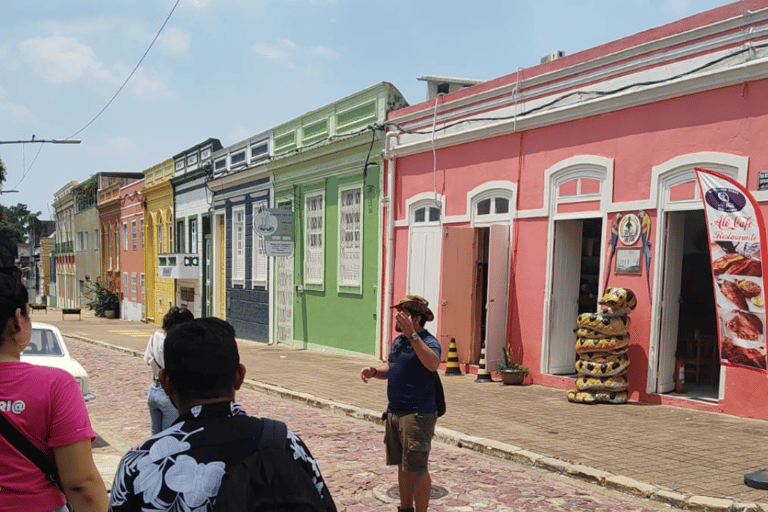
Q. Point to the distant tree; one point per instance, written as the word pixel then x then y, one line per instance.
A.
pixel 15 224
pixel 2 173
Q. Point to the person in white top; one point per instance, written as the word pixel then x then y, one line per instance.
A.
pixel 162 412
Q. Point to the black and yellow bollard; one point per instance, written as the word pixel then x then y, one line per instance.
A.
pixel 483 375
pixel 452 367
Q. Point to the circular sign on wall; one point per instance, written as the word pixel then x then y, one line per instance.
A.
pixel 629 229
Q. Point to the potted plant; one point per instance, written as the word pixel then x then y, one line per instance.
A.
pixel 511 372
pixel 104 301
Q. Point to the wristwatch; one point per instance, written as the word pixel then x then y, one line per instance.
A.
pixel 414 336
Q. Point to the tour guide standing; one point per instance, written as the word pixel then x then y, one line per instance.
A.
pixel 412 409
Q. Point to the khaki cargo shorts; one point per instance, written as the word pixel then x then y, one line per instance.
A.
pixel 408 439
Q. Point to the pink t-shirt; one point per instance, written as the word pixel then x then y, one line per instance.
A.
pixel 46 405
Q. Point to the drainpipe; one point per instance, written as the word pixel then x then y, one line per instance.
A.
pixel 389 260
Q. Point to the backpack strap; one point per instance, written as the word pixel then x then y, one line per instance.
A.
pixel 274 434
pixel 29 450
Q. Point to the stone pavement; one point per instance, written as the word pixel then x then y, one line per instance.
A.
pixel 689 459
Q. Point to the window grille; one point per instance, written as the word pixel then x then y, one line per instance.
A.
pixel 350 237
pixel 313 267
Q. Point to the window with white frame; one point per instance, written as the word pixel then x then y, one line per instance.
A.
pixel 350 237
pixel 125 285
pixel 134 284
pixel 180 236
pixel 134 235
pixel 170 236
pixel 313 229
pixel 84 236
pixel 238 244
pixel 160 236
pixel 426 214
pixel 492 205
pixel 143 289
pixel 125 236
pixel 96 240
pixel 259 259
pixel 116 247
pixel 193 235
pixel 141 232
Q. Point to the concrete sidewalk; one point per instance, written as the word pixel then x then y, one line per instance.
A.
pixel 687 458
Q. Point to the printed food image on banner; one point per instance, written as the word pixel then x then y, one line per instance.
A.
pixel 736 246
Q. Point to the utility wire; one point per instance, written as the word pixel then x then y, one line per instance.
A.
pixel 113 97
pixel 129 76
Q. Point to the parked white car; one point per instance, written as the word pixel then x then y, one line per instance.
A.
pixel 47 348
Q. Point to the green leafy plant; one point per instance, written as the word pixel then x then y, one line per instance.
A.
pixel 102 297
pixel 510 363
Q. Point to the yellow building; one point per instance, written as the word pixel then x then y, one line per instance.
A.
pixel 158 239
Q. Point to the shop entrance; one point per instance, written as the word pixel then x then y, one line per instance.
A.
pixel 475 290
pixel 575 286
pixel 688 332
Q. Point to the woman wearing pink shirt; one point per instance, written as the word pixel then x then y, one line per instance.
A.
pixel 46 406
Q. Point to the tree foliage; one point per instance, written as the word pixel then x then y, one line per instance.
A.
pixel 15 223
pixel 2 173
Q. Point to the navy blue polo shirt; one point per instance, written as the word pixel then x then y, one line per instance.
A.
pixel 410 386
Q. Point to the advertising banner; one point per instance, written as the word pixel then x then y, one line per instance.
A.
pixel 736 247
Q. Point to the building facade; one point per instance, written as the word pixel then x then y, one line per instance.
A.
pixel 64 212
pixel 503 195
pixel 130 247
pixel 241 186
pixel 194 270
pixel 158 240
pixel 327 169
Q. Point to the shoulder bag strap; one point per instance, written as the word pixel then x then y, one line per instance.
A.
pixel 27 449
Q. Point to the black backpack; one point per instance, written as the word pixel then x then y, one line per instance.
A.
pixel 269 479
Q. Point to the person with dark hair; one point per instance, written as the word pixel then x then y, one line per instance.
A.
pixel 45 406
pixel 162 413
pixel 412 406
pixel 182 467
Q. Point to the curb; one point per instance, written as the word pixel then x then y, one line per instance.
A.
pixel 504 451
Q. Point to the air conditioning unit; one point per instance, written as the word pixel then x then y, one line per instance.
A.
pixel 178 266
pixel 552 56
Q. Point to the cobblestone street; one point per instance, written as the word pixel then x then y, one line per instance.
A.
pixel 350 452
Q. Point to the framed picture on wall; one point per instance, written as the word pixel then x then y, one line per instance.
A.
pixel 628 261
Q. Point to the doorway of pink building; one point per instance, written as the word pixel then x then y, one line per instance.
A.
pixel 475 289
pixel 575 286
pixel 688 330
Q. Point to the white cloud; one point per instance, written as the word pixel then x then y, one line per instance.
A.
pixel 304 60
pixel 678 7
pixel 174 41
pixel 65 60
pixel 14 113
pixel 267 50
pixel 324 51
pixel 60 59
pixel 241 134
pixel 116 146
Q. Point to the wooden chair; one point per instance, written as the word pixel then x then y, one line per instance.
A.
pixel 702 356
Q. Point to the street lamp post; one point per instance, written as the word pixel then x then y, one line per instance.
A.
pixel 47 141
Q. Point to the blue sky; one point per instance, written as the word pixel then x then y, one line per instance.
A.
pixel 233 68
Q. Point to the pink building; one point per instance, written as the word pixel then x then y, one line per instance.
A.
pixel 131 246
pixel 504 194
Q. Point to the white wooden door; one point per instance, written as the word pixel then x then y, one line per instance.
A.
pixel 566 272
pixel 498 295
pixel 424 267
pixel 670 301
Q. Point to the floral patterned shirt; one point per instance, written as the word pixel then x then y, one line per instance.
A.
pixel 180 469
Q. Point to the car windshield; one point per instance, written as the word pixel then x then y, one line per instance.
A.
pixel 43 343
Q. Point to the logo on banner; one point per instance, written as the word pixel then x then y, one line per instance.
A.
pixel 725 199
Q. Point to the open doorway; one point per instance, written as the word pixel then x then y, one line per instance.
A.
pixel 697 321
pixel 575 286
